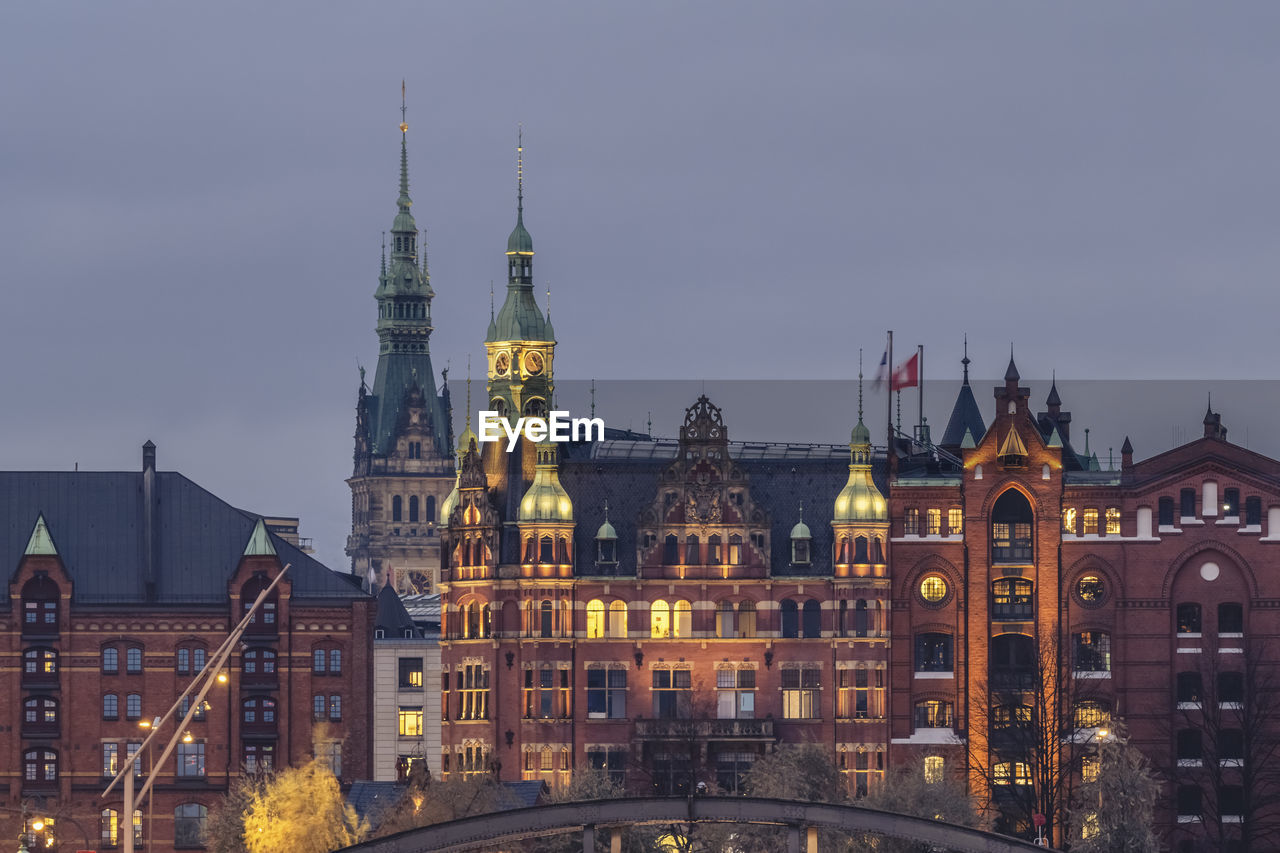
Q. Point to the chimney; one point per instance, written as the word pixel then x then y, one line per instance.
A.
pixel 149 456
pixel 1126 455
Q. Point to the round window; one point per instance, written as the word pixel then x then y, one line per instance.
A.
pixel 933 589
pixel 1091 590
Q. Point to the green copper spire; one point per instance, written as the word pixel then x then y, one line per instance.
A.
pixel 520 241
pixel 404 297
pixel 40 542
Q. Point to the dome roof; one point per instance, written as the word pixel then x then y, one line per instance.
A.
pixel 448 504
pixel 801 531
pixel 860 500
pixel 546 500
pixel 606 531
pixel 520 241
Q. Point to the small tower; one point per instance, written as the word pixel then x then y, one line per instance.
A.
pixel 546 521
pixel 860 524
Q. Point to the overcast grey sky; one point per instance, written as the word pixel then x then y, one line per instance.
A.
pixel 192 195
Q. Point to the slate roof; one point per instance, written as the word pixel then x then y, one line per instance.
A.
pixel 965 414
pixel 96 520
pixel 629 482
pixel 369 798
pixel 392 617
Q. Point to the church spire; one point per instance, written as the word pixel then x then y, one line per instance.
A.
pixel 520 244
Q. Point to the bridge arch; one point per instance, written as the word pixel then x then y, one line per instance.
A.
pixel 803 819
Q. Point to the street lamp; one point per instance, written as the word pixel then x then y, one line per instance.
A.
pixel 214 671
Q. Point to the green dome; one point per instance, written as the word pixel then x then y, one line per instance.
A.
pixel 606 531
pixel 520 241
pixel 860 435
pixel 546 500
pixel 801 531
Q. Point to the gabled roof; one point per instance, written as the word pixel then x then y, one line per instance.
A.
pixel 393 619
pixel 97 519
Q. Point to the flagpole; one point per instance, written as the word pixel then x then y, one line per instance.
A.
pixel 889 388
pixel 920 387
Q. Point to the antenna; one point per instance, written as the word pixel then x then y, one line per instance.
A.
pixel 859 383
pixel 404 127
pixel 593 414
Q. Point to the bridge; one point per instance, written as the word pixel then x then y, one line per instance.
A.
pixel 802 821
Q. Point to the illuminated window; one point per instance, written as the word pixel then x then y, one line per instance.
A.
pixel 1091 589
pixel 934 769
pixel 682 619
pixel 1092 651
pixel 955 521
pixel 735 694
pixel 911 522
pixel 934 714
pixel 933 520
pixel 747 619
pixel 659 620
pixel 735 550
pixel 801 693
pixel 1011 598
pixel 1090 522
pixel 595 619
pixel 1090 766
pixel 1012 773
pixel 933 589
pixel 473 693
pixel 1069 520
pixel 1113 521
pixel 618 619
pixel 1090 714
pixel 410 672
pixel 410 722
pixel 860 694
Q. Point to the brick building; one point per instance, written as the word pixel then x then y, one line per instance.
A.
pixel 121 584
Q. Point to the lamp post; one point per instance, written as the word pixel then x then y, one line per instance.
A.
pixel 213 672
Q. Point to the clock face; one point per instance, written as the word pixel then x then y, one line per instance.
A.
pixel 502 364
pixel 533 363
pixel 420 582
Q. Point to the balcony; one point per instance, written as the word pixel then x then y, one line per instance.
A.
pixel 705 729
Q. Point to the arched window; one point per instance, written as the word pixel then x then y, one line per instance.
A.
pixel 530 549
pixel 800 550
pixel 726 619
pixel 188 825
pixel 877 550
pixel 258 713
pixel 264 620
pixel 735 550
pixel 40 665
pixel 110 660
pixel 110 706
pixel 715 556
pixel 39 767
pixel 545 618
pixel 860 551
pixel 671 550
pixel 430 515
pixel 1165 517
pixel 413 508
pixel 259 663
pixel 396 508
pixel 842 554
pixel 1011 522
pixel 40 714
pixel 595 619
pixel 546 550
pixel 40 606
pixel 1011 599
pixel 682 619
pixel 692 550
pixel 562 550
pixel 812 618
pixel 618 619
pixel 747 619
pixel 842 619
pixel 659 620
pixel 133 660
pixel 1013 662
pixel 790 618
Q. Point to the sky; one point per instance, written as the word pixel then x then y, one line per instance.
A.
pixel 192 198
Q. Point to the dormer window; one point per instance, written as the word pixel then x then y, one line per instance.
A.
pixel 800 551
pixel 606 551
pixel 40 606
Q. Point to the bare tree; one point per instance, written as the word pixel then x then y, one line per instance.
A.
pixel 1227 748
pixel 908 791
pixel 1026 722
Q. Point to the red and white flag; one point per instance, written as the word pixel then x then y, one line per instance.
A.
pixel 906 374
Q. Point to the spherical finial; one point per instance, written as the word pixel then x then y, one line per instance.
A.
pixel 404 128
